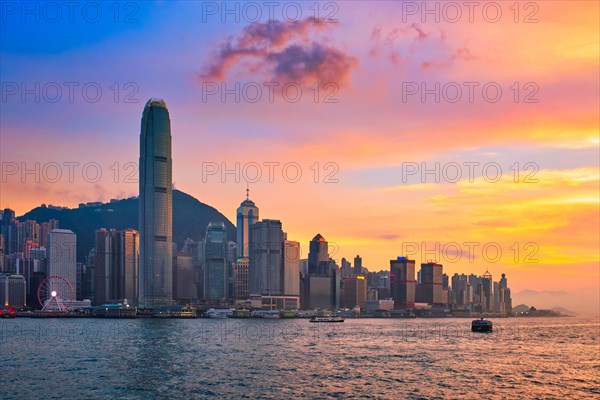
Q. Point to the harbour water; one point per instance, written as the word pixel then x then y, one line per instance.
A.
pixel 283 359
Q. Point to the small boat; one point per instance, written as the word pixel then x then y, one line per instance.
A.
pixel 9 312
pixel 481 325
pixel 327 319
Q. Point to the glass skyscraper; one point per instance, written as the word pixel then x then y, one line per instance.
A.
pixel 156 206
pixel 216 263
pixel 247 214
pixel 265 273
pixel 318 253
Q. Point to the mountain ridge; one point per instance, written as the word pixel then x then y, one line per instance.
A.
pixel 190 219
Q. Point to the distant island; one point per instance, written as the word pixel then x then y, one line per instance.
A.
pixel 523 310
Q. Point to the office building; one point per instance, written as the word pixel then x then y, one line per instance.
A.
pixel 358 265
pixel 291 268
pixel 116 266
pixel 184 286
pixel 13 290
pixel 486 297
pixel 431 283
pixel 402 282
pixel 265 274
pixel 355 291
pixel 155 206
pixel 241 278
pixel 61 255
pixel 346 268
pixel 247 215
pixel 216 262
pixel 318 253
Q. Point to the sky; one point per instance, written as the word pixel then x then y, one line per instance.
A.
pixel 463 134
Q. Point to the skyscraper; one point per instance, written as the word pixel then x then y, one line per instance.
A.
pixel 116 266
pixel 346 268
pixel 129 267
pixel 265 273
pixel 291 268
pixel 1 253
pixel 103 266
pixel 156 210
pixel 8 231
pixel 215 265
pixel 357 265
pixel 355 291
pixel 402 282
pixel 184 286
pixel 431 282
pixel 12 290
pixel 318 253
pixel 247 214
pixel 487 284
pixel 62 250
pixel 241 278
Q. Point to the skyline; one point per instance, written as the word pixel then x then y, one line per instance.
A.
pixel 361 135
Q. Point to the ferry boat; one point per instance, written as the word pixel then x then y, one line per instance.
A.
pixel 327 319
pixel 481 325
pixel 9 312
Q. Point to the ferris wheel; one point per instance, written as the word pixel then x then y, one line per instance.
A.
pixel 55 293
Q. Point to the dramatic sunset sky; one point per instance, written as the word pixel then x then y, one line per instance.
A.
pixel 373 54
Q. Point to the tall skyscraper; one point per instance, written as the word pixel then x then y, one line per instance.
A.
pixel 265 273
pixel 9 228
pixel 129 269
pixel 184 286
pixel 346 268
pixel 503 282
pixel 460 287
pixel 355 291
pixel 487 284
pixel 104 262
pixel 1 253
pixel 318 253
pixel 156 206
pixel 241 278
pixel 116 266
pixel 321 269
pixel 402 282
pixel 247 214
pixel 431 282
pixel 291 268
pixel 61 254
pixel 216 263
pixel 357 265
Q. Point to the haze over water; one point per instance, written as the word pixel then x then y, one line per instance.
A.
pixel 361 358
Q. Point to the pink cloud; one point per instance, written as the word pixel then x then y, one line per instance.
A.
pixel 285 50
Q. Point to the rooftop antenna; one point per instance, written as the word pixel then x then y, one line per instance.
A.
pixel 247 191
